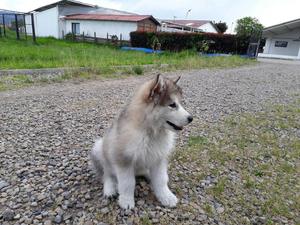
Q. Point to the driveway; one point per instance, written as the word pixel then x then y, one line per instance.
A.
pixel 47 131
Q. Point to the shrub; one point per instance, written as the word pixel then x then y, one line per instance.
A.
pixel 70 36
pixel 138 70
pixel 221 43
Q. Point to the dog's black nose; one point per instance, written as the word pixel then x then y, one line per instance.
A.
pixel 190 119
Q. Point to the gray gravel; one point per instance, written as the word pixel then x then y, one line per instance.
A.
pixel 47 131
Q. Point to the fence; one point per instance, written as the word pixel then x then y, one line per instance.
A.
pixel 17 25
pixel 111 39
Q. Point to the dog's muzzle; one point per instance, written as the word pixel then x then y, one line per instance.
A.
pixel 174 126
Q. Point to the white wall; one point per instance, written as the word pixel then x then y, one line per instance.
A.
pixel 103 27
pixel 208 27
pixel 292 48
pixel 46 23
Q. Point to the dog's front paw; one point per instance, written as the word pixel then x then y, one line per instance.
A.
pixel 168 199
pixel 109 190
pixel 126 202
pixel 109 193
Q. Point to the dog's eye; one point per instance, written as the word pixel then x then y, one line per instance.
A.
pixel 173 105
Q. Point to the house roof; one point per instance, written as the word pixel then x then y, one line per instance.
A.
pixel 63 2
pixel 189 23
pixel 111 17
pixel 282 27
pixel 5 11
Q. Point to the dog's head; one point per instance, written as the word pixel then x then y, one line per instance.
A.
pixel 165 96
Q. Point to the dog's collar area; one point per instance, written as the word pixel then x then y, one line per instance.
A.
pixel 174 126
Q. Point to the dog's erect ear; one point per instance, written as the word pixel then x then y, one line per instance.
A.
pixel 157 87
pixel 178 78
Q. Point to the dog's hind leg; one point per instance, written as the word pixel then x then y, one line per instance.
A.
pixel 102 169
pixel 95 158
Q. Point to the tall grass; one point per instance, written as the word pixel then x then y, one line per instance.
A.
pixel 53 53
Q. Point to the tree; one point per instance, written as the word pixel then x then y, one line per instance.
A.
pixel 222 26
pixel 248 27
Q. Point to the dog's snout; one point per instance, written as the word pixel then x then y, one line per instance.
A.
pixel 190 119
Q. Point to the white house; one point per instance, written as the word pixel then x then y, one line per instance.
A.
pixel 106 24
pixel 188 26
pixel 57 19
pixel 282 41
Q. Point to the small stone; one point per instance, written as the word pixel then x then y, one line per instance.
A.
pixel 87 196
pixel 36 222
pixel 17 217
pixel 28 220
pixel 220 210
pixel 261 219
pixel 45 213
pixel 3 184
pixel 155 220
pixel 8 215
pixel 39 217
pixel 79 205
pixel 284 220
pixel 48 222
pixel 34 204
pixel 40 197
pixel 141 202
pixel 104 210
pixel 67 216
pixel 246 220
pixel 58 219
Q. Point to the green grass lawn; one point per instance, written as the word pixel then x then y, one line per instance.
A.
pixel 53 53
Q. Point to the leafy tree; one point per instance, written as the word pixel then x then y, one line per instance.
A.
pixel 248 26
pixel 222 26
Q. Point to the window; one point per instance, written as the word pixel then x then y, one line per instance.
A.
pixel 281 44
pixel 75 28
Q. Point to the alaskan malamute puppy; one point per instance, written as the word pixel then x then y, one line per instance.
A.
pixel 140 141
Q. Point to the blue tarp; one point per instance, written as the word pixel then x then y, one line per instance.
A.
pixel 146 50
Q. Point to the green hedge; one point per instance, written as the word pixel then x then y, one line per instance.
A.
pixel 217 43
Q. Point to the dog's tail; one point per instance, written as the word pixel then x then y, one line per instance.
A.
pixel 95 157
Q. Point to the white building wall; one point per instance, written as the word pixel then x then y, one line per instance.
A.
pixel 208 27
pixel 292 48
pixel 267 45
pixel 46 23
pixel 103 27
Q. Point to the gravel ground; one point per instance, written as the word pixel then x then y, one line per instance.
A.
pixel 46 133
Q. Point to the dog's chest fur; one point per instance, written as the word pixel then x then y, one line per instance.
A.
pixel 150 147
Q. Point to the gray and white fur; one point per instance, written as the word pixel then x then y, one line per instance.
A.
pixel 140 141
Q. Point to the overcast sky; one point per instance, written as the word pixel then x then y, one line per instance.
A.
pixel 269 12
